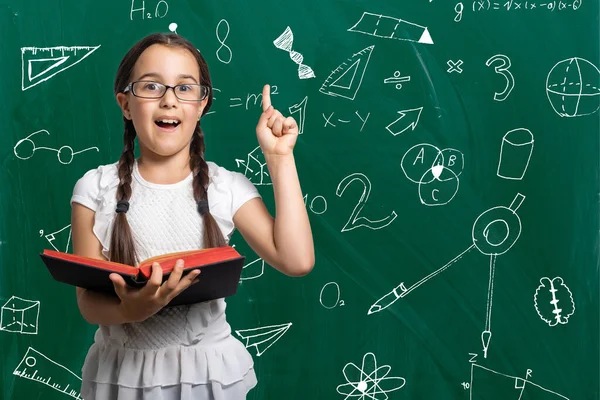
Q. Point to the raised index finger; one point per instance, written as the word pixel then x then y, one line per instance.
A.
pixel 266 97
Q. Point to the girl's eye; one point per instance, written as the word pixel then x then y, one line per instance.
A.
pixel 151 86
pixel 185 88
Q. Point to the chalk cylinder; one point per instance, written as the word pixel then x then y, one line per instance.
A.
pixel 515 153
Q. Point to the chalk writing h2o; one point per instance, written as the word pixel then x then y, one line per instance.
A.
pixel 160 11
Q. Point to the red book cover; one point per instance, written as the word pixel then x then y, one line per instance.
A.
pixel 221 269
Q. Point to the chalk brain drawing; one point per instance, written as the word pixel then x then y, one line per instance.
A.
pixel 553 301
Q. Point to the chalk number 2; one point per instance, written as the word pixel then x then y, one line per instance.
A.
pixel 355 221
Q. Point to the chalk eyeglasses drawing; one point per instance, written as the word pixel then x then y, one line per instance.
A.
pixel 25 149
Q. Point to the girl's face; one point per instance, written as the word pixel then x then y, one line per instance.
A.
pixel 169 66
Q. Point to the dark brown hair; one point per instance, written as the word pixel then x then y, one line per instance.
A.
pixel 122 247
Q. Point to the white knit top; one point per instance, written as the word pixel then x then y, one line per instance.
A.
pixel 184 344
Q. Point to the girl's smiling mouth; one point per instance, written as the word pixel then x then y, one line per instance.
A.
pixel 167 124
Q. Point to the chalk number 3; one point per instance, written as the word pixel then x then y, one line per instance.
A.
pixel 501 67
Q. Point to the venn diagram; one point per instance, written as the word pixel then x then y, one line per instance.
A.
pixel 435 172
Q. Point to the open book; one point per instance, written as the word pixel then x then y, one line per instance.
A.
pixel 221 269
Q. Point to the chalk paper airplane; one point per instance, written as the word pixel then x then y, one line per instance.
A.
pixel 391 28
pixel 345 80
pixel 40 64
pixel 263 337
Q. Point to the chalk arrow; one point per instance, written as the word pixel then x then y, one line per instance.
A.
pixel 407 119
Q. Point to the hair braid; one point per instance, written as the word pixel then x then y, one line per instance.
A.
pixel 122 248
pixel 213 237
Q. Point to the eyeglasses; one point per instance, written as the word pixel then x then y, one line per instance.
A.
pixel 156 90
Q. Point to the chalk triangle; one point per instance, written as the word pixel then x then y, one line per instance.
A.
pixel 42 66
pixel 426 37
pixel 345 80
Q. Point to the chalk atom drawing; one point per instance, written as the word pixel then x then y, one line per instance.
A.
pixel 369 381
pixel 38 64
pixel 391 28
pixel 346 79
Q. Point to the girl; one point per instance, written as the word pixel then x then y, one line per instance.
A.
pixel 170 199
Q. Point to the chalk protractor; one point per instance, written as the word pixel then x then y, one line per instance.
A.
pixel 346 79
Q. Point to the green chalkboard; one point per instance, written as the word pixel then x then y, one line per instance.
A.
pixel 449 158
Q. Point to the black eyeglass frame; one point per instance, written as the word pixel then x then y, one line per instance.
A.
pixel 129 88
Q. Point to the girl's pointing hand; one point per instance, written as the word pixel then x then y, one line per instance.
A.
pixel 276 134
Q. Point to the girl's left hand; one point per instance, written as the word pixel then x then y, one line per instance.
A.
pixel 276 135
